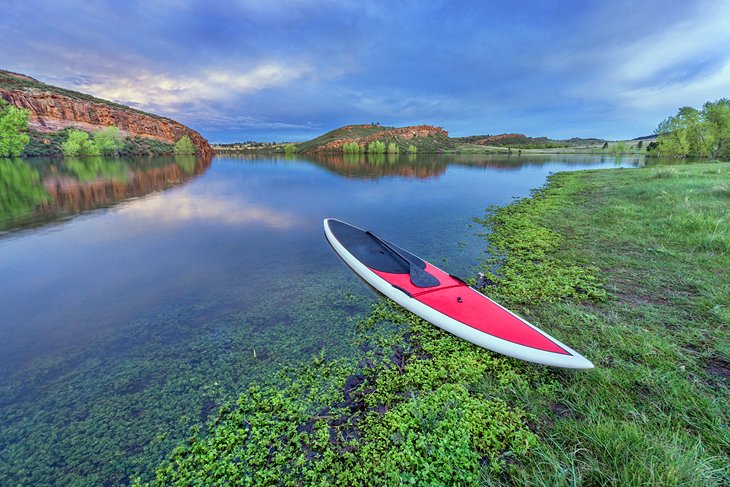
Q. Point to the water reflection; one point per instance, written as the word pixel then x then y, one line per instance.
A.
pixel 424 166
pixel 21 189
pixel 39 190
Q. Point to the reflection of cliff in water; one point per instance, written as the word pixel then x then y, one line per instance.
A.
pixel 41 190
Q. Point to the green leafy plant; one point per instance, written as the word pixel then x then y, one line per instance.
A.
pixel 13 128
pixel 109 141
pixel 351 148
pixel 696 133
pixel 184 146
pixel 376 147
pixel 79 144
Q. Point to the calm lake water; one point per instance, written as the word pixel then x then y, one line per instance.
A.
pixel 133 293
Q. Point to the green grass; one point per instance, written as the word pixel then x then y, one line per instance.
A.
pixel 655 411
pixel 630 267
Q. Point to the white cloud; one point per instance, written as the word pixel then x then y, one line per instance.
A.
pixel 148 90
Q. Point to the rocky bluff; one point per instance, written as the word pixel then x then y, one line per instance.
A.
pixel 54 108
pixel 347 134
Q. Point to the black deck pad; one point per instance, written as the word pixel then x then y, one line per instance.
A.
pixel 370 252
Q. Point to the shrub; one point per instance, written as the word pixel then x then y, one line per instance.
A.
pixel 79 144
pixel 393 148
pixel 109 140
pixel 619 148
pixel 290 148
pixel 13 128
pixel 376 147
pixel 412 149
pixel 351 148
pixel 184 146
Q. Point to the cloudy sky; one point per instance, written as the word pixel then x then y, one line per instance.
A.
pixel 292 69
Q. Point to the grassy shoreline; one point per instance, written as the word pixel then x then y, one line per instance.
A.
pixel 629 267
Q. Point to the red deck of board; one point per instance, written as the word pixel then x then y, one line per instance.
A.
pixel 464 304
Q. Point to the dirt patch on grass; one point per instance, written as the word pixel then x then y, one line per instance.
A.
pixel 718 367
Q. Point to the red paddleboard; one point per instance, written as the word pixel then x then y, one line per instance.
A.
pixel 445 300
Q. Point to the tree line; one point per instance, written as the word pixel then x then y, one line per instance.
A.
pixel 696 132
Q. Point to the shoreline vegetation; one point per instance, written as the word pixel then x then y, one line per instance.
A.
pixel 630 267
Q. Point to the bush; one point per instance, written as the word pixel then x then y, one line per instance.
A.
pixel 393 148
pixel 619 148
pixel 13 128
pixel 184 146
pixel 78 144
pixel 290 148
pixel 109 140
pixel 376 147
pixel 351 148
pixel 412 149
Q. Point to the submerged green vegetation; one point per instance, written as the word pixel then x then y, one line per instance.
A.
pixel 630 267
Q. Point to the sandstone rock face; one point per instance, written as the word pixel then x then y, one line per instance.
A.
pixel 54 111
pixel 403 133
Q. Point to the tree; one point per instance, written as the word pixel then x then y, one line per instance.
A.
pixel 717 118
pixel 109 140
pixel 376 147
pixel 412 149
pixel 184 146
pixel 290 148
pixel 79 144
pixel 619 148
pixel 393 148
pixel 696 133
pixel 350 148
pixel 605 145
pixel 640 144
pixel 13 128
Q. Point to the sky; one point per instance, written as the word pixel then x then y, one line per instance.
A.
pixel 290 70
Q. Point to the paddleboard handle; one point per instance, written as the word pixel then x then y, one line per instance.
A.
pixel 419 277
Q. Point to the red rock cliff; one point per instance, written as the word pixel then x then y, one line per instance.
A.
pixel 51 111
pixel 403 133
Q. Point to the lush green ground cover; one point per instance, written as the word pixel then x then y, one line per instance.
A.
pixel 630 267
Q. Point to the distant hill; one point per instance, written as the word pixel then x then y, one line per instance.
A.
pixel 425 137
pixel 55 109
pixel 521 141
